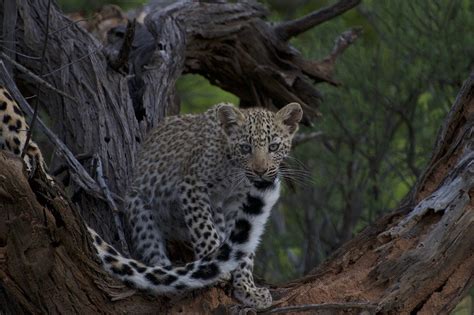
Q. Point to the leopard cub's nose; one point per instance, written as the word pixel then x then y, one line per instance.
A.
pixel 260 172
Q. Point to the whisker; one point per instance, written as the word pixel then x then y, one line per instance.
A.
pixel 302 179
pixel 297 178
pixel 295 171
pixel 291 172
pixel 298 182
pixel 297 161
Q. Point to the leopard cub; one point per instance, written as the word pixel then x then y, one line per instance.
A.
pixel 210 180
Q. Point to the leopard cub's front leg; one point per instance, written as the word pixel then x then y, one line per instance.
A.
pixel 198 217
pixel 245 289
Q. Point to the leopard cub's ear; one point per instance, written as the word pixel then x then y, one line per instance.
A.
pixel 229 117
pixel 290 115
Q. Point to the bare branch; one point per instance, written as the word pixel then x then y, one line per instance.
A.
pixel 72 62
pixel 37 78
pixel 344 40
pixel 286 30
pixel 110 201
pixel 322 70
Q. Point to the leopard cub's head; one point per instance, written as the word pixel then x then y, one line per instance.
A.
pixel 259 139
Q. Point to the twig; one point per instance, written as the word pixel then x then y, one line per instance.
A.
pixel 80 157
pixel 38 86
pixel 20 54
pixel 289 29
pixel 344 40
pixel 8 41
pixel 111 203
pixel 37 78
pixel 79 174
pixel 71 24
pixel 333 306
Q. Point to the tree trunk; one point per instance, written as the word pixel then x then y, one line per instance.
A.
pixel 419 258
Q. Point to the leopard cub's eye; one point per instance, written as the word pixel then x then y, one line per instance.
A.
pixel 273 147
pixel 245 148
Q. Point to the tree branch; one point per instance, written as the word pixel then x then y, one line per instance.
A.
pixel 286 30
pixel 322 70
pixel 36 78
pixel 321 307
pixel 113 207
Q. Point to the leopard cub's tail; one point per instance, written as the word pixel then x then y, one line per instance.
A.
pixel 170 279
pixel 166 279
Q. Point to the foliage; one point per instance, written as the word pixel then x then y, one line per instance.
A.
pixel 398 84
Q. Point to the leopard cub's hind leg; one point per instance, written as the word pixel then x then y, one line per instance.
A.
pixel 150 246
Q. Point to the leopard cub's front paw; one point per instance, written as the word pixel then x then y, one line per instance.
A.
pixel 225 277
pixel 224 280
pixel 258 298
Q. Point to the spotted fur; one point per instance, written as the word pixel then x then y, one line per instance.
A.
pixel 13 132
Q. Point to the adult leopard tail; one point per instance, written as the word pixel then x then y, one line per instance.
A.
pixel 242 241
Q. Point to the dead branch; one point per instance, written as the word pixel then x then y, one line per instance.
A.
pixel 112 205
pixel 248 59
pixel 323 70
pixel 288 29
pixel 36 78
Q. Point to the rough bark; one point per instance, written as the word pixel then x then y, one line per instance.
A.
pixel 418 258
